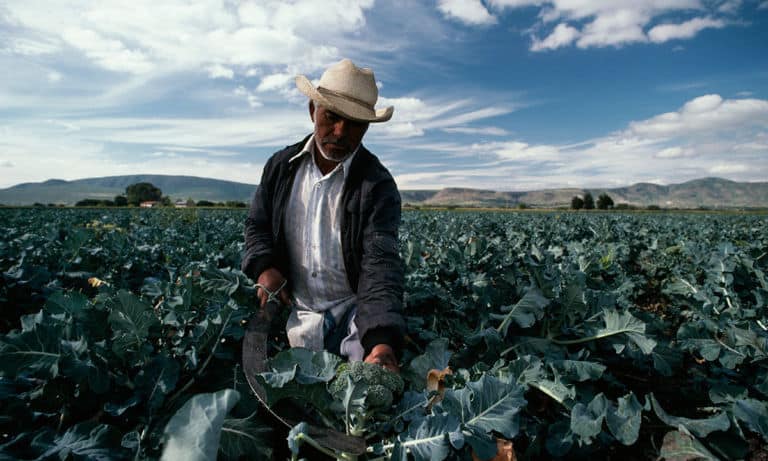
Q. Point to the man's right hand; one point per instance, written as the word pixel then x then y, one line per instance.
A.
pixel 272 279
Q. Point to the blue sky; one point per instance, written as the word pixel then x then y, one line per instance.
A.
pixel 491 94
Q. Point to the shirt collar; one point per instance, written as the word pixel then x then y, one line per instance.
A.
pixel 310 146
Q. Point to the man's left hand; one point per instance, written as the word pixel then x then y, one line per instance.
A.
pixel 384 355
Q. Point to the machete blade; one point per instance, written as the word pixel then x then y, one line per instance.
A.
pixel 255 345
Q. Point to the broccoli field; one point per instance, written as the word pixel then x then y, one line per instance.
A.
pixel 572 335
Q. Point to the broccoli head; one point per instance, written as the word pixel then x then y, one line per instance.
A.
pixel 379 383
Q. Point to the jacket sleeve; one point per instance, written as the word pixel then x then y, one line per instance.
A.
pixel 259 244
pixel 382 274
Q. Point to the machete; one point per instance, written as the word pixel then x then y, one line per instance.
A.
pixel 255 361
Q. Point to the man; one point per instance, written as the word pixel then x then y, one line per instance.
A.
pixel 321 234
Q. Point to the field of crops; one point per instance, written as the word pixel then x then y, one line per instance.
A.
pixel 574 335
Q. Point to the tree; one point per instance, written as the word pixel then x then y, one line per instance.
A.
pixel 589 202
pixel 604 201
pixel 142 192
pixel 205 203
pixel 577 203
pixel 120 200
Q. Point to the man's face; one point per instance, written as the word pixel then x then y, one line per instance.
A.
pixel 335 135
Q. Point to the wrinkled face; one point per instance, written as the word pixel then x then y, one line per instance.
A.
pixel 335 135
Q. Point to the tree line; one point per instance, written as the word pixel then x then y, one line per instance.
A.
pixel 604 202
pixel 142 192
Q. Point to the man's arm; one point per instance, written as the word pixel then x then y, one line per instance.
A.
pixel 259 245
pixel 380 288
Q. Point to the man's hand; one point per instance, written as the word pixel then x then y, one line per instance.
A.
pixel 272 280
pixel 384 355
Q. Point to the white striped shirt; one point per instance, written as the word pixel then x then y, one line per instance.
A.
pixel 313 229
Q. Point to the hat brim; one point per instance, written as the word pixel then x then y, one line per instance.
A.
pixel 344 107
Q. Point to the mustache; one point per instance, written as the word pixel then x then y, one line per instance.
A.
pixel 339 141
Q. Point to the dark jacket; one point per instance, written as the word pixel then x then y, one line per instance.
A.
pixel 369 241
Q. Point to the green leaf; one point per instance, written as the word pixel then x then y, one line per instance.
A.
pixel 193 433
pixel 587 420
pixel 302 365
pixel 295 435
pixel 156 380
pixel 559 438
pixel 488 404
pixel 35 351
pixel 82 441
pixel 245 438
pixel 579 370
pixel 678 446
pixel 430 438
pixel 616 324
pixel 436 357
pixel 526 311
pixel 726 393
pixel 625 323
pixel 624 422
pixel 301 374
pixel 130 319
pixel 754 413
pixel 698 427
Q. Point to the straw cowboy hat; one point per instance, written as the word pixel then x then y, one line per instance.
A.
pixel 347 90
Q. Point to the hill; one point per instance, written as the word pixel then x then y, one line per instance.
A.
pixel 177 187
pixel 705 192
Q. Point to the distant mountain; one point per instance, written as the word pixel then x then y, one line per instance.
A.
pixel 706 192
pixel 177 187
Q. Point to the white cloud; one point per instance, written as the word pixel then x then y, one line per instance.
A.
pixel 673 152
pixel 688 29
pixel 728 168
pixel 53 76
pixel 614 28
pixel 219 71
pixel 563 35
pixel 471 12
pixel 487 130
pixel 705 115
pixel 32 47
pixel 415 116
pixel 274 82
pixel 401 130
pixel 730 6
pixel 6 164
pixel 253 100
pixel 109 53
pixel 149 37
pixel 727 138
pixel 601 23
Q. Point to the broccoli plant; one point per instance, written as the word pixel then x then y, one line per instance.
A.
pixel 363 393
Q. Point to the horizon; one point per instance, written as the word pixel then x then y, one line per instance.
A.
pixel 503 95
pixel 586 189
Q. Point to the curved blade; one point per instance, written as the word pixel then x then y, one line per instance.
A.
pixel 255 362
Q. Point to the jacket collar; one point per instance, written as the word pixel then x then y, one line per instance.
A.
pixel 309 147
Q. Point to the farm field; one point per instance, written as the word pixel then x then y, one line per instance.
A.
pixel 574 335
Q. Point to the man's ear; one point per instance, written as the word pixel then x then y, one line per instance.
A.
pixel 312 110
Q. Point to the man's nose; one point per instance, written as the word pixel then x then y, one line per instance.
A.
pixel 340 128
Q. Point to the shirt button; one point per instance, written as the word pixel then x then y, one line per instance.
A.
pixel 314 274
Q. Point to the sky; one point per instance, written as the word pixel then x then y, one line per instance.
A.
pixel 488 94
